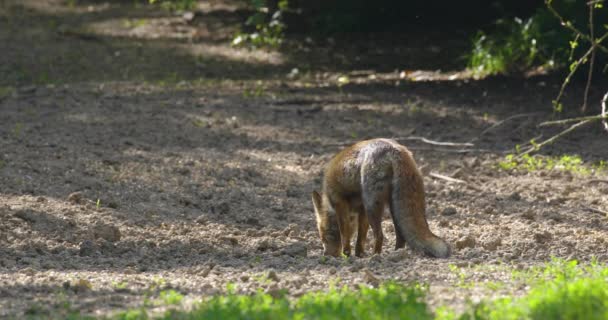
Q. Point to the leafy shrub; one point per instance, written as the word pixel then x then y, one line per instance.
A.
pixel 517 45
pixel 268 29
pixel 175 5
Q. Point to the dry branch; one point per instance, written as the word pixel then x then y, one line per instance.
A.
pixel 454 180
pixel 501 122
pixel 598 181
pixel 557 122
pixel 605 111
pixel 596 210
pixel 436 143
pixel 555 137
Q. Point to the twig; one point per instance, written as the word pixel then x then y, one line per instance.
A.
pixel 436 143
pixel 555 137
pixel 598 181
pixel 591 61
pixel 605 111
pixel 596 210
pixel 456 150
pixel 570 26
pixel 556 122
pixel 499 123
pixel 569 76
pixel 450 179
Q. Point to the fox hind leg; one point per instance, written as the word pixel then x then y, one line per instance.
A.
pixel 361 234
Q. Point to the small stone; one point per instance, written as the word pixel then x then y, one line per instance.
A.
pixel 465 242
pixel 449 211
pixel 108 232
pixel 82 285
pixel 75 197
pixel 230 240
pixel 297 249
pixel 244 278
pixel 27 215
pixel 204 272
pixel 397 255
pixel 376 258
pixel 529 214
pixel 370 278
pixel 492 245
pixel 272 275
pixel 472 162
pixel 265 245
pixel 276 292
pixel 87 248
pixel 515 196
pixel 221 208
pixel 543 237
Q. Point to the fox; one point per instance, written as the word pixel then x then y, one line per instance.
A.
pixel 358 183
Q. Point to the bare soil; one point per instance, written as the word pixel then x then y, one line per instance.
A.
pixel 139 152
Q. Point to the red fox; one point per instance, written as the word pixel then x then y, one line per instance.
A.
pixel 358 182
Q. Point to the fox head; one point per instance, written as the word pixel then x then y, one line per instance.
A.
pixel 327 224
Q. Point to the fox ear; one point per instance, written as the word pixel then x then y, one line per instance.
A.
pixel 316 202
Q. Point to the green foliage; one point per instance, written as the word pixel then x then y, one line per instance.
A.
pixel 171 297
pixel 175 5
pixel 517 45
pixel 571 163
pixel 559 290
pixel 268 29
pixel 562 290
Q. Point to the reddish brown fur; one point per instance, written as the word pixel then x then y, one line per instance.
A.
pixel 358 183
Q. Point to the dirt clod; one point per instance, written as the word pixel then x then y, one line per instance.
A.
pixel 75 197
pixel 465 242
pixel 370 278
pixel 542 237
pixel 105 231
pixel 297 249
pixel 449 211
pixel 87 248
pixel 272 275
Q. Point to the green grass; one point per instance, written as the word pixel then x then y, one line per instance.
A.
pixel 559 290
pixel 564 290
pixel 571 163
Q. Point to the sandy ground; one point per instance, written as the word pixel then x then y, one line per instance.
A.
pixel 147 156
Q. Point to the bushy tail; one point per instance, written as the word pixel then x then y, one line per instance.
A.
pixel 407 206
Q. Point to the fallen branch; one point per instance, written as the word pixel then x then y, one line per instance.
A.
pixel 555 137
pixel 436 143
pixel 605 111
pixel 422 139
pixel 598 181
pixel 501 122
pixel 569 25
pixel 454 180
pixel 557 122
pixel 596 210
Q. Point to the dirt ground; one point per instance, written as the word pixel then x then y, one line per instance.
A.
pixel 139 152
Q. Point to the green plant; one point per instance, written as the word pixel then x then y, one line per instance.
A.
pixel 570 163
pixel 175 5
pixel 514 48
pixel 268 26
pixel 171 297
pixel 516 45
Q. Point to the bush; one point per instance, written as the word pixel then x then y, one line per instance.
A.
pixel 517 45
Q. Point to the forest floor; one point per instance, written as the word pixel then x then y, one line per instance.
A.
pixel 140 152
